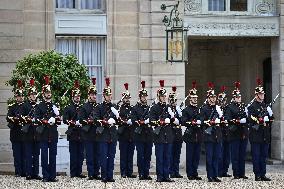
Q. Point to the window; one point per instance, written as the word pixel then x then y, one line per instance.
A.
pixel 216 5
pixel 80 4
pixel 238 5
pixel 90 52
pixel 69 4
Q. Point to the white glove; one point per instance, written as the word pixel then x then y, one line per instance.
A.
pixel 146 121
pixel 269 110
pixel 176 121
pixel 220 112
pixel 266 119
pixel 129 122
pixel 167 120
pixel 51 120
pixel 198 122
pixel 217 120
pixel 55 110
pixel 179 111
pixel 111 121
pixel 243 120
pixel 115 112
pixel 171 112
pixel 77 123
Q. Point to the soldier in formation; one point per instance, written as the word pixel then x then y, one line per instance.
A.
pixel 47 118
pixel 96 127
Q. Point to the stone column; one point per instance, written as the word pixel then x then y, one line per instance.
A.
pixel 277 59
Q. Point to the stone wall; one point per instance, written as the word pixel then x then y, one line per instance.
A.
pixel 136 48
pixel 26 26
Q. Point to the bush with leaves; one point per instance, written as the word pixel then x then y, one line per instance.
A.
pixel 62 69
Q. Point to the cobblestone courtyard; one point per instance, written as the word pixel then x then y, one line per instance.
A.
pixel 275 172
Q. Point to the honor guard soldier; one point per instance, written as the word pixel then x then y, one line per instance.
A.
pixel 163 135
pixel 236 116
pixel 76 146
pixel 193 134
pixel 89 127
pixel 32 148
pixel 224 160
pixel 175 113
pixel 125 134
pixel 143 134
pixel 16 135
pixel 107 115
pixel 210 115
pixel 47 118
pixel 260 117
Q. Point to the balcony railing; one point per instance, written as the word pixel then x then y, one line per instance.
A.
pixel 230 7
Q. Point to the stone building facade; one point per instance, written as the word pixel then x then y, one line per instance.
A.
pixel 227 42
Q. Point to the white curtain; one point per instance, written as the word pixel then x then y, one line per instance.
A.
pixel 93 56
pixel 65 4
pixel 90 52
pixel 216 5
pixel 91 4
pixel 66 46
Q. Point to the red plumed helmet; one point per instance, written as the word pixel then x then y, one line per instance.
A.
pixel 194 84
pixel 19 83
pixel 107 82
pixel 126 86
pixel 174 88
pixel 162 83
pixel 223 88
pixel 94 80
pixel 143 84
pixel 259 88
pixel 46 79
pixel 258 81
pixel 76 84
pixel 32 82
pixel 210 85
pixel 237 85
pixel 143 91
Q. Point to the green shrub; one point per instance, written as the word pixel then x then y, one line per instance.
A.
pixel 62 69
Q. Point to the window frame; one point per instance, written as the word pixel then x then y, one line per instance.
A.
pixel 227 11
pixel 78 42
pixel 78 9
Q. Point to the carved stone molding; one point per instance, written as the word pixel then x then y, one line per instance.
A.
pixel 265 7
pixel 192 6
pixel 233 29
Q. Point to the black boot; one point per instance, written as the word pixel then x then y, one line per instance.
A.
pixel 264 178
pixel 257 178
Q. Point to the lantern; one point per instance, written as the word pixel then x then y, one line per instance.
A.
pixel 176 36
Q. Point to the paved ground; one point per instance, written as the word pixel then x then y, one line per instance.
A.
pixel 275 172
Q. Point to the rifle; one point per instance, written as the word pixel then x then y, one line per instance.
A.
pixel 71 122
pixel 138 129
pixel 209 130
pixel 122 122
pixel 189 129
pixel 44 121
pixel 262 113
pixel 103 122
pixel 28 120
pixel 183 102
pixel 232 127
pixel 157 129
pixel 274 100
